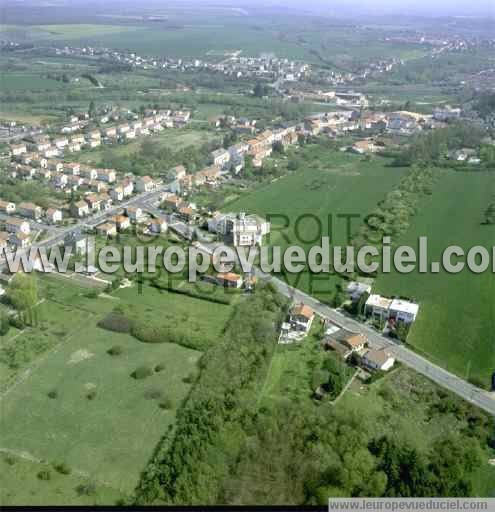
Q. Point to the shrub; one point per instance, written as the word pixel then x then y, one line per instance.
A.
pixel 116 350
pixel 62 468
pixel 44 475
pixel 116 322
pixel 142 372
pixel 166 403
pixel 189 379
pixel 53 394
pixel 91 395
pixel 8 459
pixel 159 367
pixel 86 489
pixel 153 394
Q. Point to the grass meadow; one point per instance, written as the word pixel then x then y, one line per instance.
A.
pixel 456 324
pixel 72 402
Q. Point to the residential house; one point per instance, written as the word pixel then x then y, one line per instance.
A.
pixel 88 172
pixel 127 187
pixel 26 172
pixel 94 202
pixel 73 168
pixel 77 242
pixel 61 142
pixel 7 207
pixel 110 132
pixel 171 201
pixel 105 201
pixel 4 240
pixel 301 317
pixel 40 144
pixel 44 173
pixel 18 149
pixel 354 342
pixel 79 209
pixel 122 129
pixel 178 172
pixel 145 184
pixel 403 311
pixel 55 165
pixel 73 147
pixel 94 143
pixel 186 212
pixel 50 152
pixel 107 175
pixel 378 307
pixel 363 146
pixel 122 222
pixel 378 360
pixel 117 194
pixel 15 225
pixel 20 240
pixel 355 290
pixel 29 210
pixel 229 279
pixel 77 139
pixel 107 229
pixel 73 181
pixel 53 216
pixel 134 213
pixel 158 226
pixel 60 180
pixel 220 157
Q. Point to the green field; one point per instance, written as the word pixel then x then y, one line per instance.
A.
pixel 174 140
pixel 28 81
pixel 107 438
pixel 328 183
pixel 457 317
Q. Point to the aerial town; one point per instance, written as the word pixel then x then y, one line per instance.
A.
pixel 133 128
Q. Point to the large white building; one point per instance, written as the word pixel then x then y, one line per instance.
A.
pixel 240 229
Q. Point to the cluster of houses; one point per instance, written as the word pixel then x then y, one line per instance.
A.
pixel 72 140
pixel 346 343
pixel 266 66
pixel 335 338
pixel 382 309
pixel 17 227
pixel 131 215
pixel 233 158
pixel 123 125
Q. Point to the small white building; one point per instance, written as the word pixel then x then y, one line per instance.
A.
pixel 378 307
pixel 378 360
pixel 403 311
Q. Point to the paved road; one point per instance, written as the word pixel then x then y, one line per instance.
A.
pixel 480 398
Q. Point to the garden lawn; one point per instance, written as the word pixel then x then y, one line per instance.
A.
pixel 113 435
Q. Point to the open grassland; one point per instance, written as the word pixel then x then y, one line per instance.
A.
pixel 58 32
pixel 74 403
pixel 60 490
pixel 28 81
pixel 456 324
pixel 327 185
pixel 173 140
